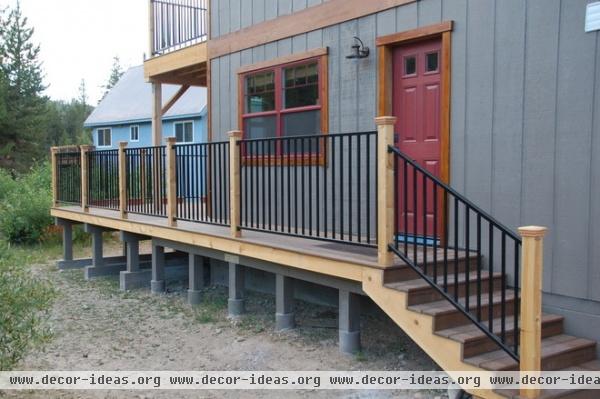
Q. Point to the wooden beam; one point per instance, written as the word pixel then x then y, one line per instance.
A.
pixel 174 99
pixel 328 13
pixel 156 114
pixel 84 177
pixel 531 303
pixel 386 212
pixel 179 59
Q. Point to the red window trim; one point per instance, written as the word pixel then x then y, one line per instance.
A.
pixel 280 158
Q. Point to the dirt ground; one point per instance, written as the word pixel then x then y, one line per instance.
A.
pixel 97 327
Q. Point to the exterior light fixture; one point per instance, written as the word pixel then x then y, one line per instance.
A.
pixel 358 50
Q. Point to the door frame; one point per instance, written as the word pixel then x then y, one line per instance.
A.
pixel 385 47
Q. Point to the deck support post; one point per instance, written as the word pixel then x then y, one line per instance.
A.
pixel 133 277
pixel 196 279
pixel 234 182
pixel 54 165
pixel 67 238
pixel 386 213
pixel 171 181
pixel 531 303
pixel 157 285
pixel 349 319
pixel 84 177
pixel 100 266
pixel 284 303
pixel 122 180
pixel 236 303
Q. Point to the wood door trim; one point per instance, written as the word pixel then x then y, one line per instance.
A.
pixel 286 59
pixel 385 46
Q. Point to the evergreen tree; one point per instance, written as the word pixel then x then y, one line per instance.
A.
pixel 21 134
pixel 116 71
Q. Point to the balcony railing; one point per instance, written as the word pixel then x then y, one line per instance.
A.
pixel 175 24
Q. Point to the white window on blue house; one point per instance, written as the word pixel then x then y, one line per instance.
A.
pixel 104 137
pixel 184 132
pixel 134 133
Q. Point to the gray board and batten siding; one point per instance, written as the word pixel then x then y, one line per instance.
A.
pixel 525 115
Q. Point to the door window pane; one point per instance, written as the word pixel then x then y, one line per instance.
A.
pixel 260 92
pixel 410 65
pixel 432 62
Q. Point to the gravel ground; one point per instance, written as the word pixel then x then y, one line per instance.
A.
pixel 97 327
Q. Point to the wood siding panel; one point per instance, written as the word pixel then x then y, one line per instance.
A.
pixel 429 12
pixel 573 134
pixel 258 11
pixel 235 9
pixel 537 196
pixel 594 249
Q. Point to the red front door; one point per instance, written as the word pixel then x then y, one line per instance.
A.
pixel 416 104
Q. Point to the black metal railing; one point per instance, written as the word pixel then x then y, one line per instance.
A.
pixel 103 179
pixel 146 181
pixel 322 187
pixel 441 234
pixel 202 172
pixel 68 177
pixel 177 24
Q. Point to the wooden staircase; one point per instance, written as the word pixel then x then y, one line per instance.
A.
pixel 454 342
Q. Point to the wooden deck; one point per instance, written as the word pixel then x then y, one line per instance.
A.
pixel 330 258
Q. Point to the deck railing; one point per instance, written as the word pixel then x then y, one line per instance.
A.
pixel 354 188
pixel 202 176
pixel 146 181
pixel 68 176
pixel 323 187
pixel 175 24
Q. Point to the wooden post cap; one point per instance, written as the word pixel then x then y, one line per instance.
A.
pixel 86 147
pixel 385 120
pixel 123 144
pixel 532 231
pixel 171 140
pixel 236 134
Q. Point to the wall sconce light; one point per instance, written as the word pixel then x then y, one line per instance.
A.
pixel 358 50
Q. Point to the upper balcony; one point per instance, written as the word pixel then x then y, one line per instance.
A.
pixel 178 32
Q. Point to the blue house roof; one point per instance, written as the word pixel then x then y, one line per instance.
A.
pixel 130 101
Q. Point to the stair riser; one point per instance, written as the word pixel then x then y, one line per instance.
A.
pixel 564 360
pixel 478 346
pixel 456 318
pixel 407 273
pixel 432 295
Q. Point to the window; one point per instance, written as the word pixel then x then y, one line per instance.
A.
pixel 104 137
pixel 184 132
pixel 134 133
pixel 284 101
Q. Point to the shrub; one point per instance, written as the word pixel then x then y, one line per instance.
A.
pixel 24 301
pixel 25 208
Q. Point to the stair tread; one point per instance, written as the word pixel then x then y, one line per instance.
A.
pixel 418 284
pixel 444 306
pixel 552 346
pixel 470 332
pixel 440 256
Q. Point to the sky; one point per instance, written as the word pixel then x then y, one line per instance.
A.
pixel 79 39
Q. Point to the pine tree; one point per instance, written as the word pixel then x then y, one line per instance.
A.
pixel 116 71
pixel 21 135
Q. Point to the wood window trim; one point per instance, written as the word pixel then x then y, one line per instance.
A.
pixel 385 46
pixel 322 55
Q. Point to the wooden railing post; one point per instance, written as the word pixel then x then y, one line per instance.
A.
pixel 54 166
pixel 234 183
pixel 84 177
pixel 531 303
pixel 122 180
pixel 171 181
pixel 386 213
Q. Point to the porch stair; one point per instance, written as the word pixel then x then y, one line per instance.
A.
pixel 454 342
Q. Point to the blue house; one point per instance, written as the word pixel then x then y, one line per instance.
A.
pixel 125 114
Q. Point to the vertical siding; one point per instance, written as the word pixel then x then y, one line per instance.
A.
pixel 525 114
